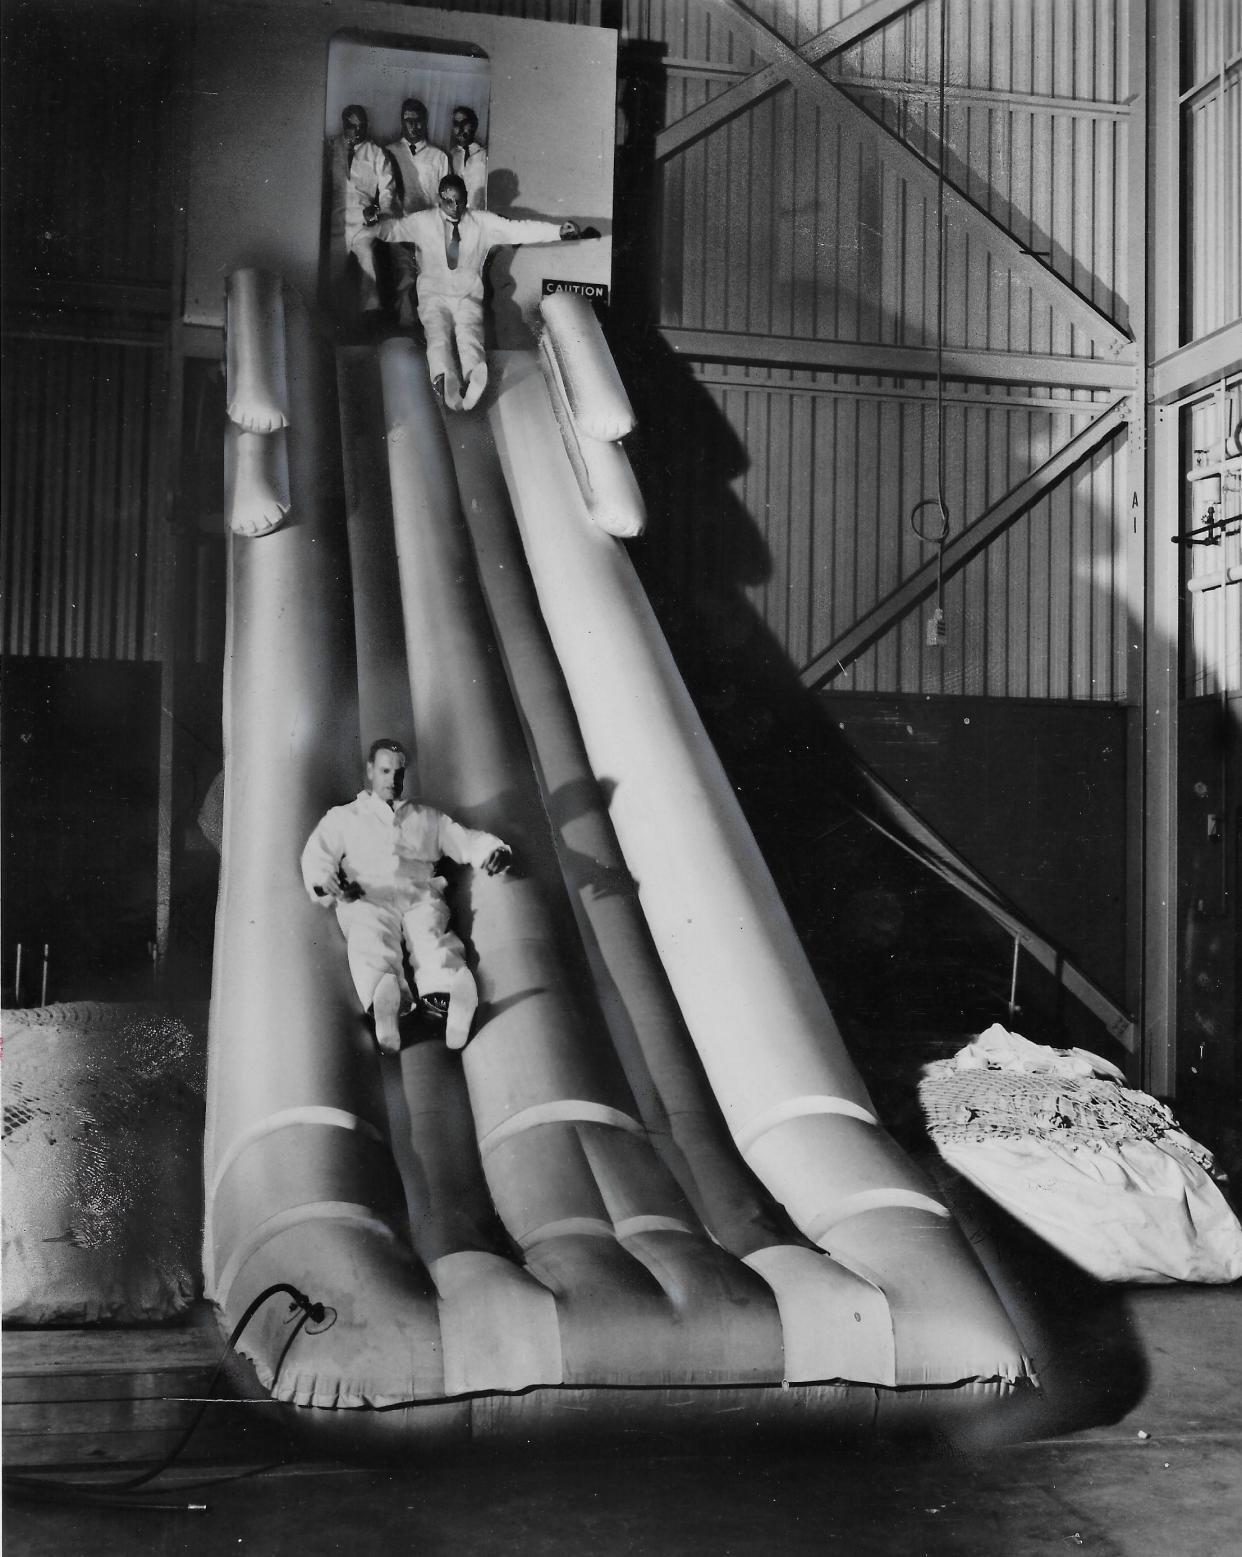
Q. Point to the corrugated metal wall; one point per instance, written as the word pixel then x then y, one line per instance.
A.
pixel 1212 146
pixel 87 87
pixel 88 215
pixel 829 482
pixel 84 541
pixel 785 222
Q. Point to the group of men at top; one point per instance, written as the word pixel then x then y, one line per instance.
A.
pixel 431 207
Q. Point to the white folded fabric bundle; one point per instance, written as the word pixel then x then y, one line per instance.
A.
pixel 1102 1172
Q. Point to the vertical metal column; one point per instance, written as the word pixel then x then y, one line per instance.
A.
pixel 1160 635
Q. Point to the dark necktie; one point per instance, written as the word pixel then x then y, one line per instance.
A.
pixel 454 247
pixel 349 160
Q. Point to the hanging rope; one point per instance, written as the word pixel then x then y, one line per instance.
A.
pixel 938 536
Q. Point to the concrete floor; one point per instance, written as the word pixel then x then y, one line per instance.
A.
pixel 1165 1362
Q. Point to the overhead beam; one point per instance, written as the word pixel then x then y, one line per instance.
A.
pixel 762 83
pixel 1195 366
pixel 959 210
pixel 872 626
pixel 885 361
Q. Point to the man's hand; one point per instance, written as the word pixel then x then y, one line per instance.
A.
pixel 498 861
pixel 569 230
pixel 339 888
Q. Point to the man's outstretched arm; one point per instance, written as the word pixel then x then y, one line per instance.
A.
pixel 507 229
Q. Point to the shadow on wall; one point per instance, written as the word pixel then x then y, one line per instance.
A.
pixel 889 941
pixel 892 944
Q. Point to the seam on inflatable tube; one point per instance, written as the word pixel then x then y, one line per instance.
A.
pixel 798 1108
pixel 569 1227
pixel 634 1226
pixel 873 1200
pixel 562 1111
pixel 338 1118
pixel 315 1211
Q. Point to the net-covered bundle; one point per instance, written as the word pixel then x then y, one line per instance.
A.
pixel 1088 1111
pixel 103 1129
pixel 1101 1172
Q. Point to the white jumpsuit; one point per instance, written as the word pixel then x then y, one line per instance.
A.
pixel 450 302
pixel 357 182
pixel 392 856
pixel 421 169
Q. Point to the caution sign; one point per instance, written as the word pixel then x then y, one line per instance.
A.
pixel 597 291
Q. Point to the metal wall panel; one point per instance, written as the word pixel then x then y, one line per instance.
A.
pixel 1212 149
pixel 780 211
pixel 84 551
pixel 785 221
pixel 811 527
pixel 93 206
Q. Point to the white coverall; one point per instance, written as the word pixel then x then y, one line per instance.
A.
pixel 392 856
pixel 450 302
pixel 366 180
pixel 470 165
pixel 421 168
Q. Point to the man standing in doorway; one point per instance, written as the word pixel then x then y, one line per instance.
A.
pixel 363 190
pixel 467 158
pixel 420 167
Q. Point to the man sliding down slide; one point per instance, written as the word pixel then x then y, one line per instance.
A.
pixel 451 245
pixel 374 860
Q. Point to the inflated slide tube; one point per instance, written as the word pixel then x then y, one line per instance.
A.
pixel 642 1293
pixel 256 480
pixel 618 1313
pixel 795 1105
pixel 817 1299
pixel 603 471
pixel 594 393
pixel 256 388
pixel 300 1184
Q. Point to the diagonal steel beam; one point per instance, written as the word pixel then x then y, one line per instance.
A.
pixel 888 361
pixel 958 552
pixel 959 210
pixel 902 825
pixel 693 126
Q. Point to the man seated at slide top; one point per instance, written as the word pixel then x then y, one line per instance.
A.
pixel 451 244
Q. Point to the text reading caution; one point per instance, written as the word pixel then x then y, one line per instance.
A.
pixel 597 291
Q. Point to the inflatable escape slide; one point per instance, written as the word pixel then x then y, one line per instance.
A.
pixel 651 1193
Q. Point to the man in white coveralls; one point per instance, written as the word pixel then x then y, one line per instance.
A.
pixel 421 166
pixel 451 244
pixel 374 861
pixel 364 188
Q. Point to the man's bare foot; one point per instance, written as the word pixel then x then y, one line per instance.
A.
pixel 387 1008
pixel 463 1003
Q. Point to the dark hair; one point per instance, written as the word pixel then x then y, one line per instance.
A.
pixel 467 112
pixel 451 181
pixel 355 108
pixel 385 743
pixel 414 102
